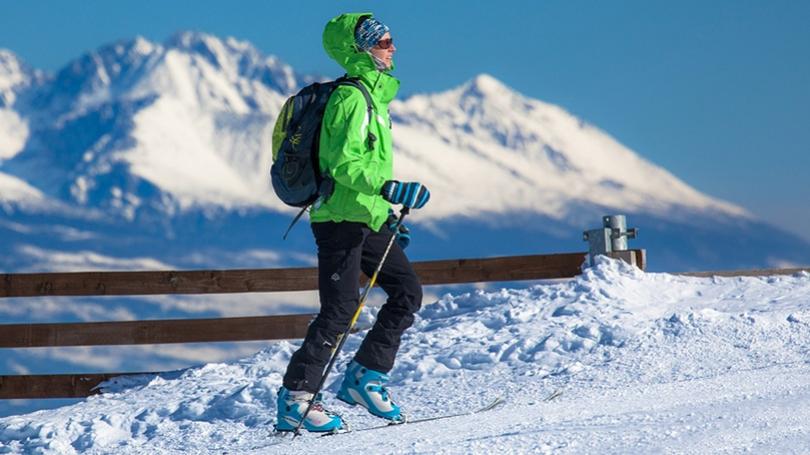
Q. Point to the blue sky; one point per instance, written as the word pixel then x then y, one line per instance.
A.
pixel 716 92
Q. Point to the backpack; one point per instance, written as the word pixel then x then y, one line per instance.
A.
pixel 295 173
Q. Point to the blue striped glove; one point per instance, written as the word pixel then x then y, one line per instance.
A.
pixel 409 194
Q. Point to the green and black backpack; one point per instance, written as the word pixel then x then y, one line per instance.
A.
pixel 295 173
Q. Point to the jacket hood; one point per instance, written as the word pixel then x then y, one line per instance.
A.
pixel 338 41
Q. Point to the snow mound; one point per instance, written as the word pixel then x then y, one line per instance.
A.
pixel 614 333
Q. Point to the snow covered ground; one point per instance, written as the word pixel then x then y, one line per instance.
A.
pixel 647 363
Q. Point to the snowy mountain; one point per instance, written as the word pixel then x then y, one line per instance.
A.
pixel 166 138
pixel 539 157
pixel 646 363
pixel 138 126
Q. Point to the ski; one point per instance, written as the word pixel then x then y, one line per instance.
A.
pixel 553 395
pixel 490 406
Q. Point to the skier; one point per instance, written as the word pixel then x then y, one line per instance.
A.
pixel 352 229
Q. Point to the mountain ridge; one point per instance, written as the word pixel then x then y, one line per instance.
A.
pixel 137 94
pixel 170 137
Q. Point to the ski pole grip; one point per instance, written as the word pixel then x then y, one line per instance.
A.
pixel 404 211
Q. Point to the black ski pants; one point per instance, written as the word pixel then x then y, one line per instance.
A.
pixel 344 249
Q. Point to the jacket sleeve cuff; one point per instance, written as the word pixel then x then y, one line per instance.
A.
pixel 378 186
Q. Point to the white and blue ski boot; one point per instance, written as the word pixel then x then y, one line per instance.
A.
pixel 366 387
pixel 291 407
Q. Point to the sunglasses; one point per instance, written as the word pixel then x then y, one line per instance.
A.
pixel 385 43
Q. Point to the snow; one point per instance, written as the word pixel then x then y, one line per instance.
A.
pixel 14 76
pixel 85 260
pixel 174 150
pixel 14 189
pixel 647 363
pixel 540 157
pixel 13 133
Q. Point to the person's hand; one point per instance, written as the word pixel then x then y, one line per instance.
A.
pixel 403 234
pixel 409 194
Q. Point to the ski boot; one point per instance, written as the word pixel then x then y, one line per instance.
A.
pixel 291 407
pixel 365 387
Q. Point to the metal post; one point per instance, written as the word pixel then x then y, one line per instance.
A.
pixel 612 237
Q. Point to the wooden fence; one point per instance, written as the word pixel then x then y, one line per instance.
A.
pixel 513 268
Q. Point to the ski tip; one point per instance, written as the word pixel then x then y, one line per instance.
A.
pixel 335 432
pixel 492 404
pixel 280 433
pixel 553 395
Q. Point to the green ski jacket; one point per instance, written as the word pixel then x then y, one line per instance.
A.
pixel 359 171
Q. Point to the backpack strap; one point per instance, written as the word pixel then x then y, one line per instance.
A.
pixel 355 82
pixel 295 220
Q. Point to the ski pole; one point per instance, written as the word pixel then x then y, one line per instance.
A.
pixel 342 337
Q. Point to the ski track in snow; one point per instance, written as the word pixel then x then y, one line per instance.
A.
pixel 648 363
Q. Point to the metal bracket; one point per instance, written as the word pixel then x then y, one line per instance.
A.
pixel 610 238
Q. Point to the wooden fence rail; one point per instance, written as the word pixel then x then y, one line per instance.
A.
pixel 752 272
pixel 56 385
pixel 252 328
pixel 514 268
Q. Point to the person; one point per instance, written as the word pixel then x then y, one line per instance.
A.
pixel 352 229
